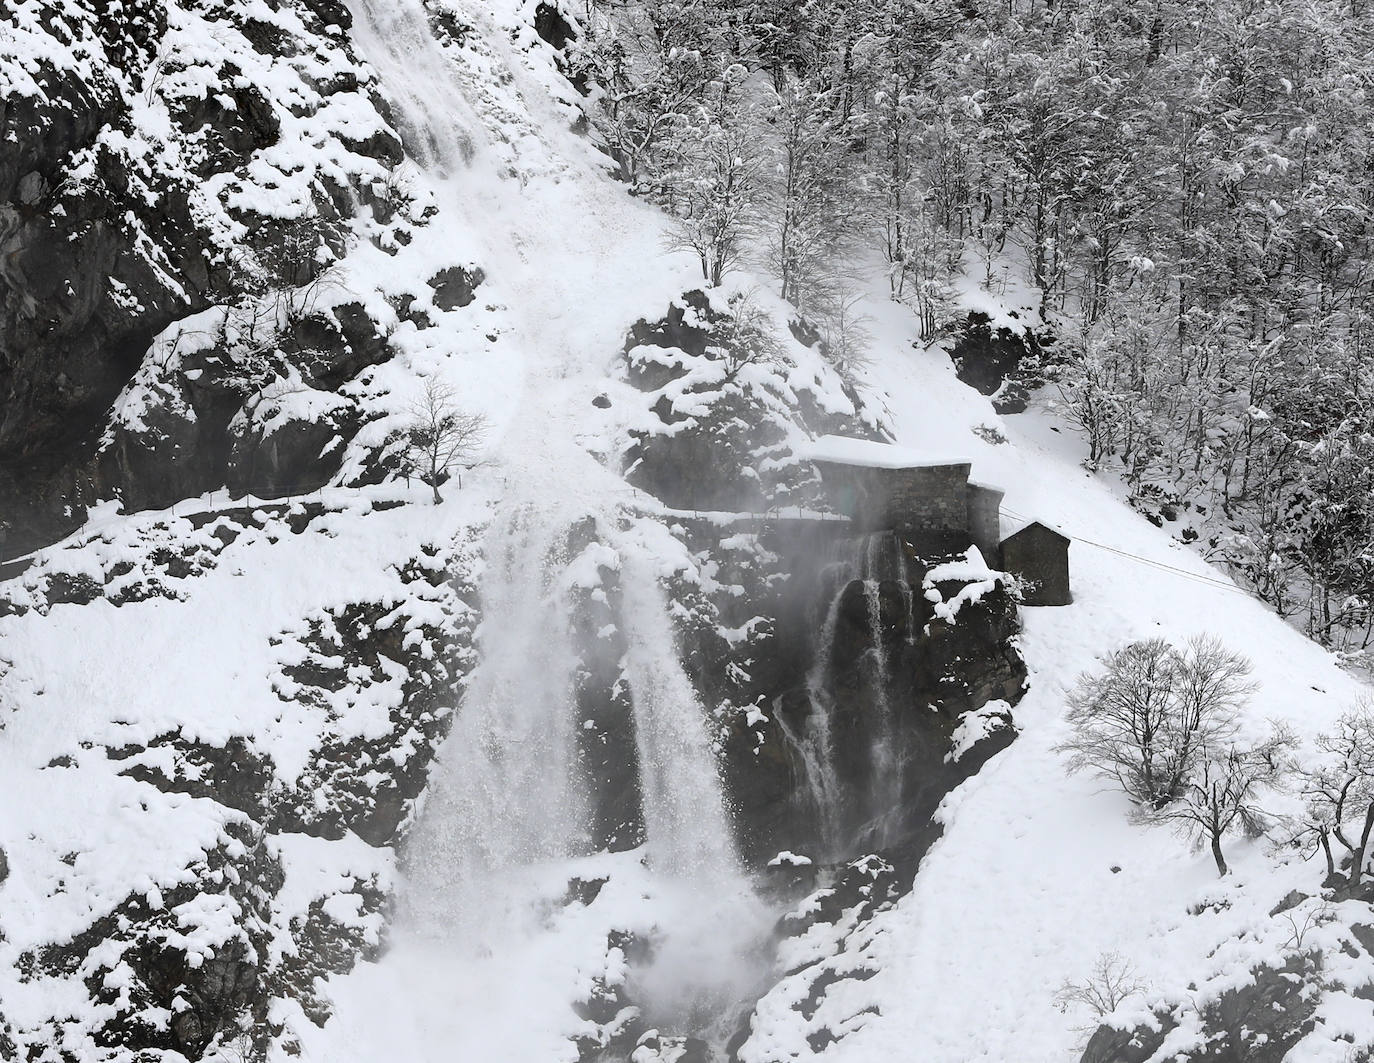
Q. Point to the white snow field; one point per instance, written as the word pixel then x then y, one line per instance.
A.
pixel 1038 873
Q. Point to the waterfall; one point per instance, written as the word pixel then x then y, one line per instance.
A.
pixel 815 743
pixel 884 789
pixel 710 926
pixel 872 561
pixel 506 791
pixel 395 38
pixel 688 833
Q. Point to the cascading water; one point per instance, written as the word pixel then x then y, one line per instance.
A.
pixel 815 743
pixel 485 924
pixel 397 40
pixel 710 919
pixel 506 791
pixel 872 561
pixel 686 828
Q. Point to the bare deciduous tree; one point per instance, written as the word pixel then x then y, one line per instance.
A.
pixel 1112 981
pixel 1146 719
pixel 442 435
pixel 1225 789
pixel 844 331
pixel 715 177
pixel 1340 788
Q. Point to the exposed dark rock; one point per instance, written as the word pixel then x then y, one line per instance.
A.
pixel 1256 1023
pixel 233 774
pixel 338 344
pixel 145 963
pixel 368 785
pixel 606 725
pixel 104 243
pixel 274 456
pixel 1290 901
pixel 852 894
pixel 616 1021
pixel 583 891
pixel 552 27
pixel 324 946
pixel 331 12
pixel 804 331
pixel 709 464
pixel 997 363
pixel 455 287
pixel 719 444
pixel 859 888
pixel 938 673
pixel 160 556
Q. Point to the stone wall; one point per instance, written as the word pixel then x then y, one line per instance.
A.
pixel 926 501
pixel 985 521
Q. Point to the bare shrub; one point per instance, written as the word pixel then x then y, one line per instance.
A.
pixel 1112 981
pixel 844 331
pixel 747 337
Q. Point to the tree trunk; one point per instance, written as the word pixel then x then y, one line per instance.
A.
pixel 1357 858
pixel 1222 869
pixel 1326 849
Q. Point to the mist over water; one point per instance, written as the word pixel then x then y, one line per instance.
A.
pixel 396 38
pixel 506 791
pixel 708 949
pixel 505 820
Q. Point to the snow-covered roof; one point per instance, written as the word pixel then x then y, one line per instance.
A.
pixel 845 450
pixel 1012 525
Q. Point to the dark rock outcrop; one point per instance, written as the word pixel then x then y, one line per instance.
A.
pixel 111 231
pixel 1256 1023
pixel 720 443
pixel 455 287
pixel 147 958
pixel 1000 363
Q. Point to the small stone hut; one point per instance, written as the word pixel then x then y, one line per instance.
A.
pixel 1039 555
pixel 881 487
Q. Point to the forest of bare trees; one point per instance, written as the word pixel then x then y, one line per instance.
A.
pixel 1183 190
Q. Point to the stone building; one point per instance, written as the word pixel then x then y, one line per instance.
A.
pixel 985 519
pixel 1039 555
pixel 935 506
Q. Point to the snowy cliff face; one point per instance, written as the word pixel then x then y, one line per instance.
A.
pixel 230 279
pixel 621 752
pixel 179 183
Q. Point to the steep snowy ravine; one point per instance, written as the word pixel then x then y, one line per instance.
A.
pixel 1022 893
pixel 476 971
pixel 504 925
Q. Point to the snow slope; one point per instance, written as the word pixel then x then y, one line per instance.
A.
pixel 1037 873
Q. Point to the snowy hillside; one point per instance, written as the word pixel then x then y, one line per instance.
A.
pixel 616 742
